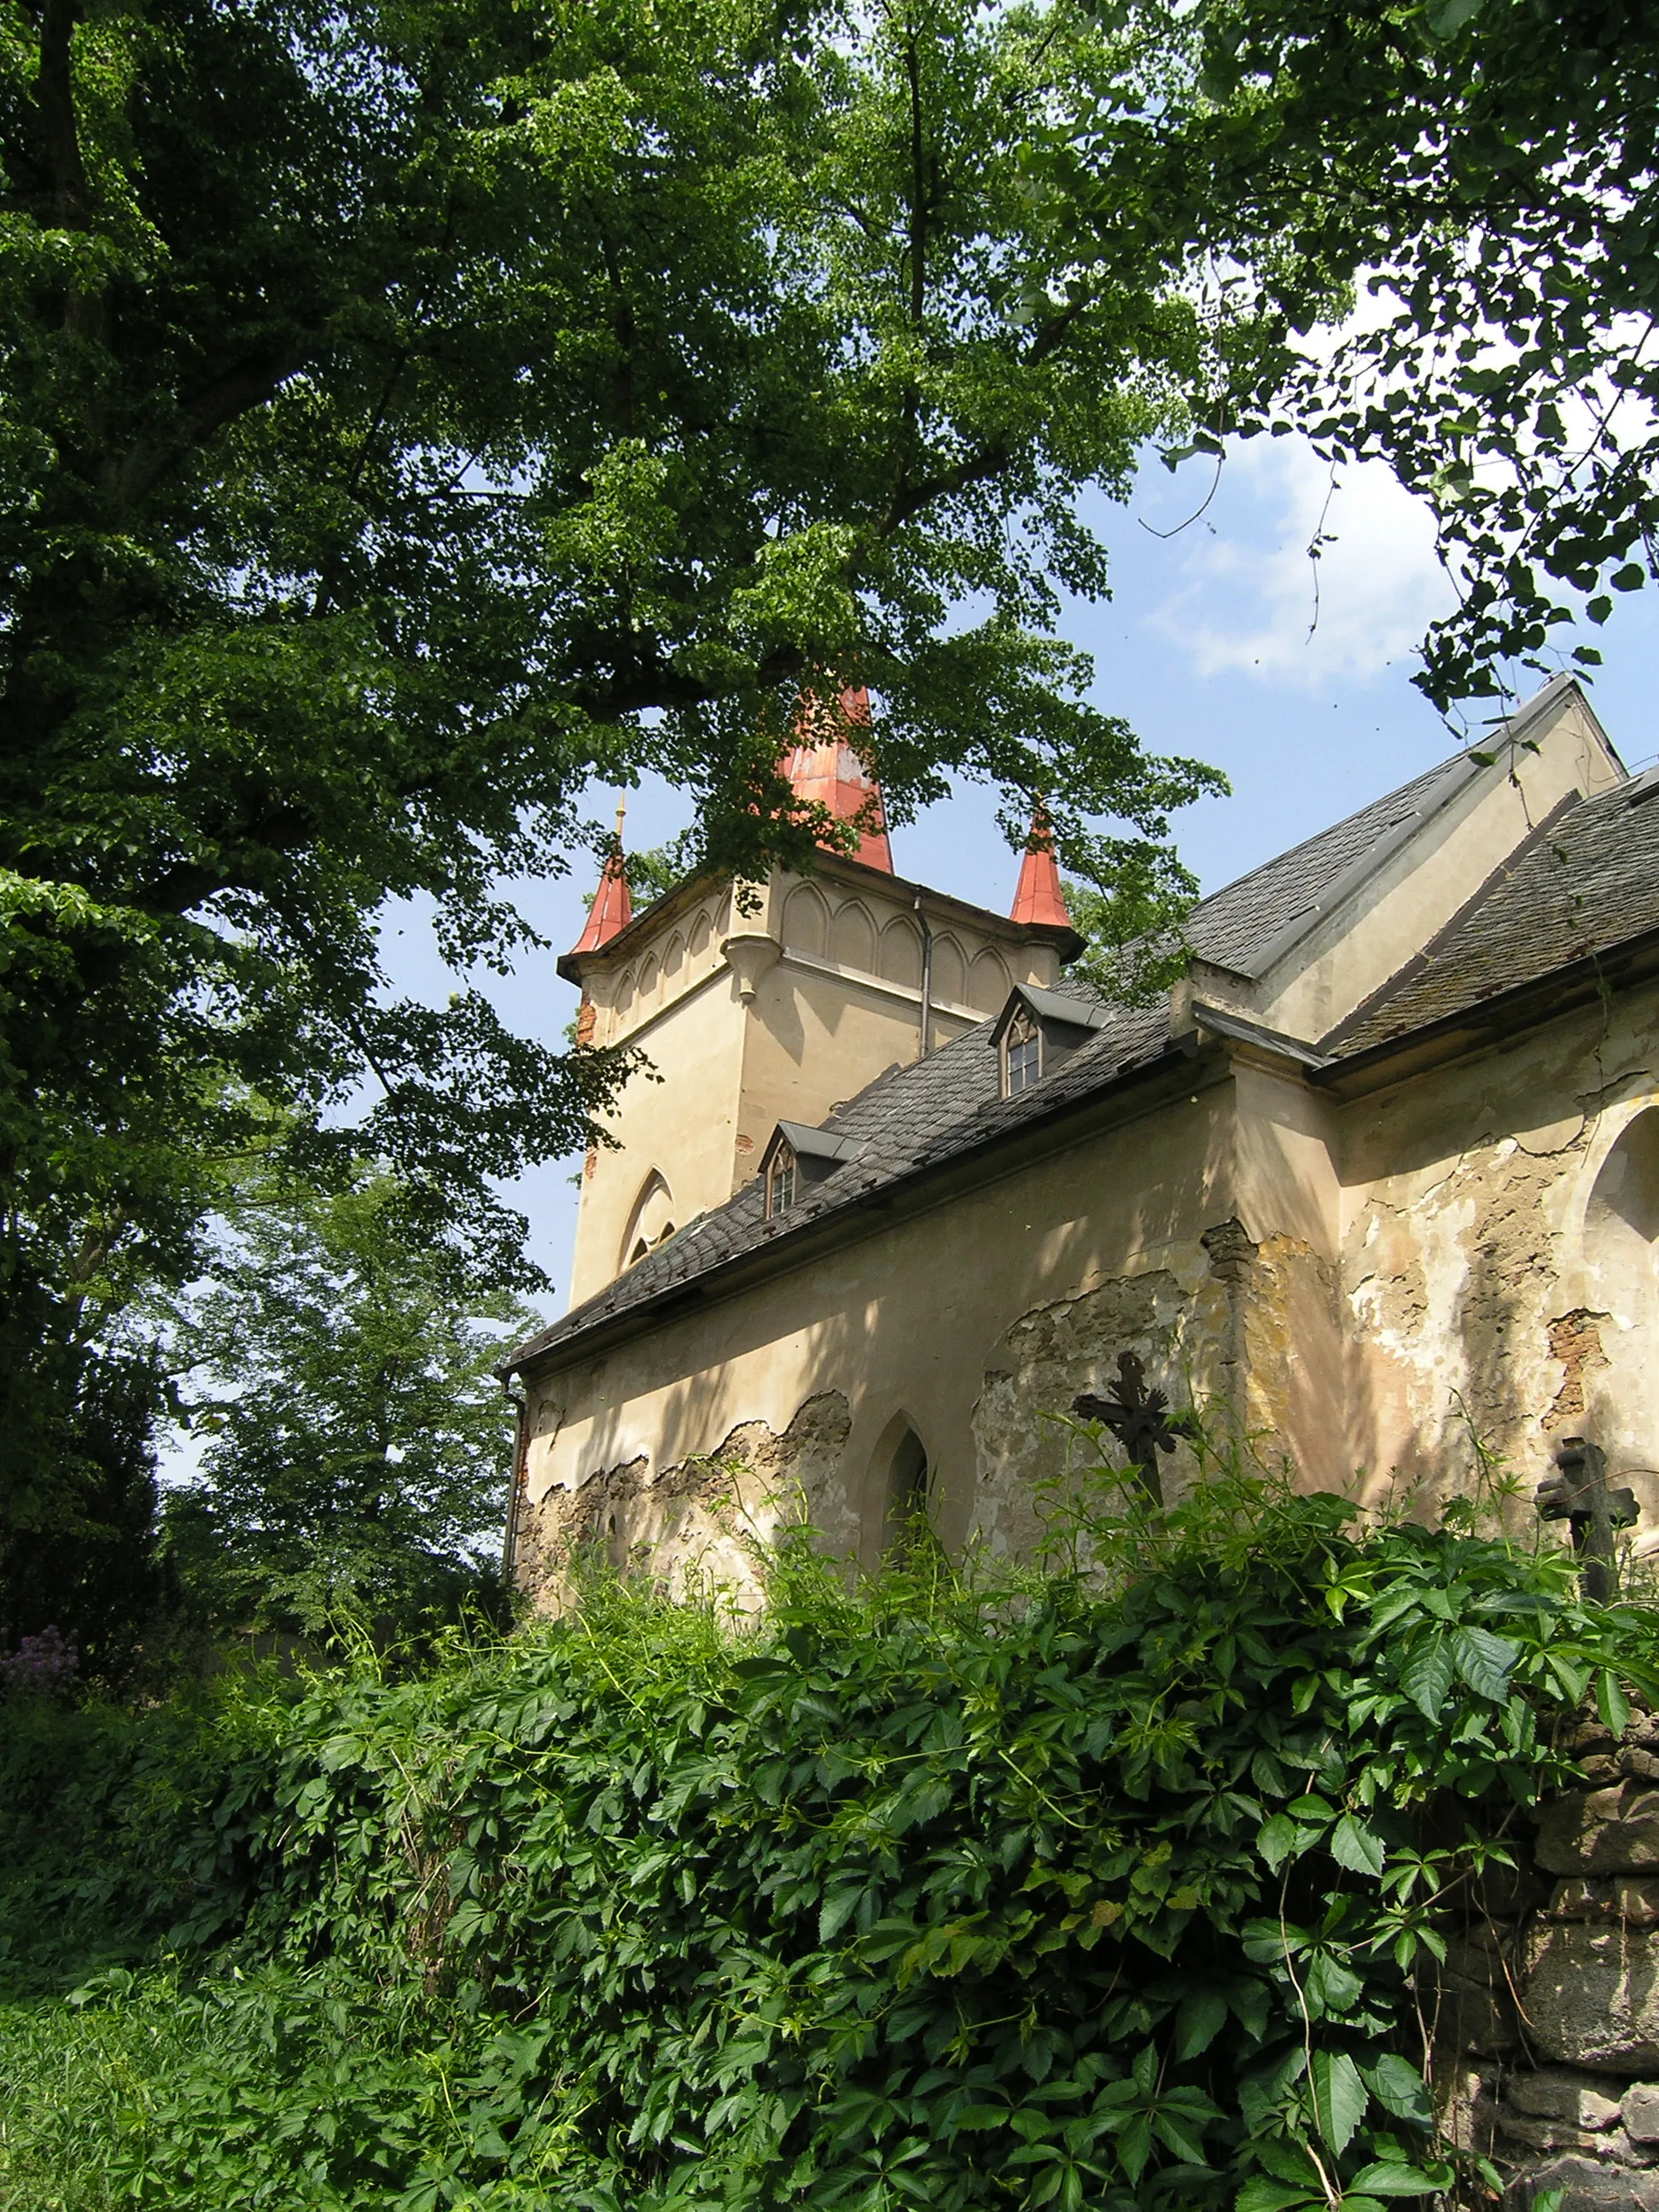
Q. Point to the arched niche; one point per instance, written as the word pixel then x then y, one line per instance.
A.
pixel 702 934
pixel 806 921
pixel 901 1487
pixel 901 953
pixel 648 977
pixel 652 1220
pixel 853 939
pixel 949 972
pixel 1621 1226
pixel 988 981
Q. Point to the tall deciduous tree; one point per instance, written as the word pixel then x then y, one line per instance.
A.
pixel 355 1439
pixel 413 411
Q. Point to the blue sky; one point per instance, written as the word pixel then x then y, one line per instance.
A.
pixel 1208 647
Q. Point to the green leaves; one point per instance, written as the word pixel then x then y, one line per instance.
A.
pixel 1356 1846
pixel 882 1892
pixel 1485 1662
pixel 1426 1676
pixel 1400 2089
pixel 1339 2097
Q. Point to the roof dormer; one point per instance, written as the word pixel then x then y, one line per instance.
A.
pixel 1037 1031
pixel 796 1155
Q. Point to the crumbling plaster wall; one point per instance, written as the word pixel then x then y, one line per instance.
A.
pixel 1475 1303
pixel 1240 1319
pixel 906 1322
pixel 1359 1287
pixel 702 1523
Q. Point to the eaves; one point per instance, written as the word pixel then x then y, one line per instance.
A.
pixel 1124 1096
pixel 1493 1021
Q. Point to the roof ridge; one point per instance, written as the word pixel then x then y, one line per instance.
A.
pixel 1425 955
pixel 1321 837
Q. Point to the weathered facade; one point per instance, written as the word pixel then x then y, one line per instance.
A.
pixel 1380 1175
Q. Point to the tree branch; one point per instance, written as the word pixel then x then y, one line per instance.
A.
pixel 56 96
pixel 83 312
pixel 252 382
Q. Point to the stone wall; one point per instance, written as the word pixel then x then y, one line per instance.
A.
pixel 1547 2031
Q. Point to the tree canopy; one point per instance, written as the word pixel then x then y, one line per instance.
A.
pixel 355 1440
pixel 413 412
pixel 1439 226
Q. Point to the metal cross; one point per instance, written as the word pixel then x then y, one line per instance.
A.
pixel 1578 1493
pixel 1137 1417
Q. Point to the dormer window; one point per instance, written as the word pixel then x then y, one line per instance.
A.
pixel 1021 1054
pixel 781 1175
pixel 797 1156
pixel 1037 1032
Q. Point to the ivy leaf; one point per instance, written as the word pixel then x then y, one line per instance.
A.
pixel 1356 1846
pixel 1486 1662
pixel 1331 1986
pixel 1611 1703
pixel 1447 17
pixel 1398 2088
pixel 1276 1839
pixel 1199 2021
pixel 1427 1677
pixel 1260 2195
pixel 1395 2180
pixel 836 1911
pixel 1340 2098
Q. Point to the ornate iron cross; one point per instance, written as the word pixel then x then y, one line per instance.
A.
pixel 1137 1417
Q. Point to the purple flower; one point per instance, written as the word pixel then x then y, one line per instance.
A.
pixel 41 1665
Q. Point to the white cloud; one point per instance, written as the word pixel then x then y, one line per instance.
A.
pixel 1251 597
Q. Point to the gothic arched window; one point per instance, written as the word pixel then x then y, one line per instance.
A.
pixel 1021 1054
pixel 780 1181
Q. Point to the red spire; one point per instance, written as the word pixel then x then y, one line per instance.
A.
pixel 825 769
pixel 612 909
pixel 1039 899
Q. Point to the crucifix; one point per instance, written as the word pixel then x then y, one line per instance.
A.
pixel 1578 1493
pixel 1137 1417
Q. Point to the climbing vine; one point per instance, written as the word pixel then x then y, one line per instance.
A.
pixel 1124 1883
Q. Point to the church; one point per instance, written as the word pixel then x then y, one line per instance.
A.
pixel 1374 1184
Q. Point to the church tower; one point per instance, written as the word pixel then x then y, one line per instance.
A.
pixel 778 1006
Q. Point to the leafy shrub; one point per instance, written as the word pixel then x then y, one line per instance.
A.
pixel 1121 1886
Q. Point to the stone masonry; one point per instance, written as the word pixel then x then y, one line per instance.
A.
pixel 1549 2031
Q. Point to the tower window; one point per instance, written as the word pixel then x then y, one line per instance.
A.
pixel 1021 1054
pixel 780 1181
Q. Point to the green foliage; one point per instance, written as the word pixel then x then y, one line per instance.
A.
pixel 1121 1886
pixel 356 1440
pixel 1132 915
pixel 1485 175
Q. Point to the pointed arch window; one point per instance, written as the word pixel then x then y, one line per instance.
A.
pixel 1021 1054
pixel 781 1175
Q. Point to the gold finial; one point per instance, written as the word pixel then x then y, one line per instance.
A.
pixel 622 809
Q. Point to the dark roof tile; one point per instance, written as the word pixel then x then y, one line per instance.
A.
pixel 1587 880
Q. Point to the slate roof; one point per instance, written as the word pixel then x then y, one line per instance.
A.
pixel 908 1120
pixel 1546 910
pixel 1586 880
pixel 1248 925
